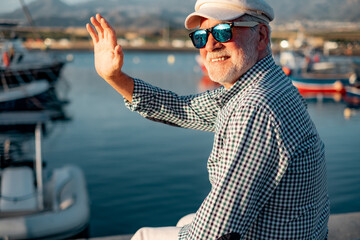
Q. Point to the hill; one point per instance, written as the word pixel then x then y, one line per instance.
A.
pixel 171 13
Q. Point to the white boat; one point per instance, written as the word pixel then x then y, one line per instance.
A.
pixel 24 91
pixel 30 66
pixel 21 95
pixel 36 95
pixel 16 61
pixel 36 205
pixel 27 79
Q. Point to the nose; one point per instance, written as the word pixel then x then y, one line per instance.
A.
pixel 212 44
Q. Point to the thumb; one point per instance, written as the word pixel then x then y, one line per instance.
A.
pixel 118 53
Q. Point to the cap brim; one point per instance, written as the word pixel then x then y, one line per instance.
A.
pixel 226 14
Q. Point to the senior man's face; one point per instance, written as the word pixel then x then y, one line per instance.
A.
pixel 227 62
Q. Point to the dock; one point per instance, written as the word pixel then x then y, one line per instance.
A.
pixel 341 227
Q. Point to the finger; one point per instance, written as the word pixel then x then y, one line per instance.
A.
pixel 105 25
pixel 108 30
pixel 98 27
pixel 92 33
pixel 98 17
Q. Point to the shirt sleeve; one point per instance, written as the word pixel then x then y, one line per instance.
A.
pixel 194 111
pixel 243 177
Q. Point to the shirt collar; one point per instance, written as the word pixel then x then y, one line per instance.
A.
pixel 246 79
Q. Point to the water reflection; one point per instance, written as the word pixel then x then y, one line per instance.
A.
pixel 350 103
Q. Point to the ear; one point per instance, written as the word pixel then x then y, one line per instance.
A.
pixel 264 37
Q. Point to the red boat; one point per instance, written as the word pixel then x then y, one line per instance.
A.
pixel 326 83
pixel 310 76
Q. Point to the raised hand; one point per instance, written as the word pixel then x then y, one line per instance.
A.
pixel 109 57
pixel 107 53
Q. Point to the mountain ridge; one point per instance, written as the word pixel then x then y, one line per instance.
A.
pixel 160 13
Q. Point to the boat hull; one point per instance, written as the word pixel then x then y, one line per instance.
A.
pixel 352 96
pixel 66 211
pixel 36 95
pixel 28 73
pixel 320 83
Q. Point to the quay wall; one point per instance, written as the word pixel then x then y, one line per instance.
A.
pixel 341 227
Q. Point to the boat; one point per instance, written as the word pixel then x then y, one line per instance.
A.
pixel 311 76
pixel 27 79
pixel 319 82
pixel 17 62
pixel 36 202
pixel 352 96
pixel 26 96
pixel 353 91
pixel 23 97
pixel 33 96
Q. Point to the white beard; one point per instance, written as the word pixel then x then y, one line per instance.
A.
pixel 240 66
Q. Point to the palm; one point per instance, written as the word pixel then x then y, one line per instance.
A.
pixel 105 62
pixel 108 57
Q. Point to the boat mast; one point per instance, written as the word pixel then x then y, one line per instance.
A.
pixel 27 13
pixel 29 18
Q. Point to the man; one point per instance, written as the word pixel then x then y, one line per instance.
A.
pixel 267 167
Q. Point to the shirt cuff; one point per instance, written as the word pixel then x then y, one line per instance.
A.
pixel 184 231
pixel 142 96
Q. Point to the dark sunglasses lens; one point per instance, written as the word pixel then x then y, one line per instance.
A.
pixel 199 38
pixel 222 32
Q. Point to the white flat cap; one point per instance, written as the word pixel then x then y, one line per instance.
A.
pixel 226 10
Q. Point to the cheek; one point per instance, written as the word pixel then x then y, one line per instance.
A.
pixel 242 47
pixel 244 38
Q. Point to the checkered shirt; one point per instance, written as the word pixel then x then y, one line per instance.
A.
pixel 267 166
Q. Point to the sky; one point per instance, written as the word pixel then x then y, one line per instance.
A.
pixel 10 5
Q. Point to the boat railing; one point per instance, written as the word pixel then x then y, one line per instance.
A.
pixel 37 119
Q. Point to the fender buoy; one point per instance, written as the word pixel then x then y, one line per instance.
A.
pixel 287 71
pixel 6 59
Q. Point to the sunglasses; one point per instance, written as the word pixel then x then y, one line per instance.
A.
pixel 221 33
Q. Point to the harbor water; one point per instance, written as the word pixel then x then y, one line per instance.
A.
pixel 141 173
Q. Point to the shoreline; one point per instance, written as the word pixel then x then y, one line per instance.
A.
pixel 86 46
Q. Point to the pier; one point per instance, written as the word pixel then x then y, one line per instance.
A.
pixel 341 227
